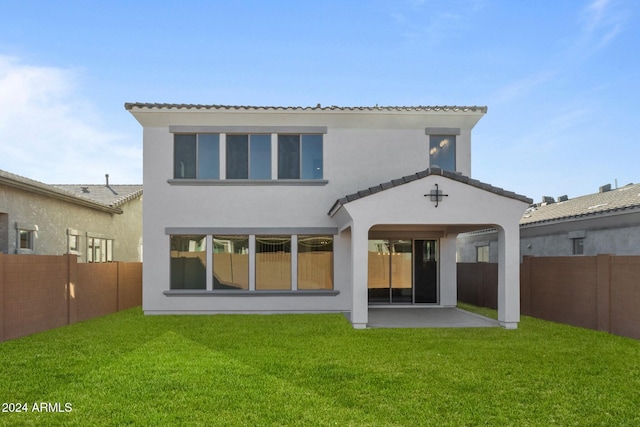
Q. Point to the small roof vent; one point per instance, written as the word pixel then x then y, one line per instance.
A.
pixel 547 200
pixel 85 189
pixel 605 188
pixel 563 198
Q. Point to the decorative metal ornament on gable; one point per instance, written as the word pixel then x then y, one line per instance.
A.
pixel 436 195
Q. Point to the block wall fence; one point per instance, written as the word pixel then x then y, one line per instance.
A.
pixel 597 292
pixel 41 292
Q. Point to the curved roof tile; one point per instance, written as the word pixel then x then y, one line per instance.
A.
pixel 422 174
pixel 167 106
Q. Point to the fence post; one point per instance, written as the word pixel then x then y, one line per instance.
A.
pixel 603 292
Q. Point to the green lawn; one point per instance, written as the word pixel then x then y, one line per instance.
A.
pixel 128 369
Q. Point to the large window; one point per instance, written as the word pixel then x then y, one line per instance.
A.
pixel 196 156
pixel 442 152
pixel 315 262
pixel 248 157
pixel 300 157
pixel 252 263
pixel 273 262
pixel 188 262
pixel 231 262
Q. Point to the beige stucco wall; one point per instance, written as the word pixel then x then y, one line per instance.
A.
pixel 53 217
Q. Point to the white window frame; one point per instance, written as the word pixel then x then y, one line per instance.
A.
pixel 31 230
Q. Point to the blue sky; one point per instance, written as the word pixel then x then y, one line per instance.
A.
pixel 561 79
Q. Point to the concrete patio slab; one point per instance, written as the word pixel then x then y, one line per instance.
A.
pixel 426 317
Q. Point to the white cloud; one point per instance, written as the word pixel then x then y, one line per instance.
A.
pixel 48 132
pixel 602 21
pixel 519 89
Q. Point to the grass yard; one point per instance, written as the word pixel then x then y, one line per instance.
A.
pixel 128 369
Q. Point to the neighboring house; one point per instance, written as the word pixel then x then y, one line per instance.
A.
pixel 318 209
pixel 99 223
pixel 607 222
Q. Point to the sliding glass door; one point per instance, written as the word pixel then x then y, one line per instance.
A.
pixel 425 270
pixel 403 271
pixel 390 271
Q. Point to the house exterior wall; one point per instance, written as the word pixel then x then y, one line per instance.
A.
pixel 615 234
pixel 359 150
pixel 467 244
pixel 606 234
pixel 52 217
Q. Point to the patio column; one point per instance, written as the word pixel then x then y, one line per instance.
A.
pixel 509 275
pixel 448 271
pixel 359 276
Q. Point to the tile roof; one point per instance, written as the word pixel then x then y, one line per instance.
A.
pixel 621 199
pixel 112 195
pixel 423 174
pixel 59 192
pixel 161 106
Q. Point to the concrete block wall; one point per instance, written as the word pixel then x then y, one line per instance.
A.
pixel 35 294
pixel 96 291
pixel 597 292
pixel 129 285
pixel 42 292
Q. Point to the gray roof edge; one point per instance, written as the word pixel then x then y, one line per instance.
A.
pixel 620 209
pixel 115 203
pixel 428 172
pixel 168 106
pixel 26 184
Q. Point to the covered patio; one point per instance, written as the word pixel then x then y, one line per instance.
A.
pixel 407 218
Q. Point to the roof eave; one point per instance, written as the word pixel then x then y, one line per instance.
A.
pixel 59 195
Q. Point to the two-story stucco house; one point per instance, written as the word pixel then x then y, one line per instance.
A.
pixel 320 209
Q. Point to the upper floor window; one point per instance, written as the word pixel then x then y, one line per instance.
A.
pixel 196 156
pixel 442 152
pixel 299 156
pixel 248 157
pixel 235 156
